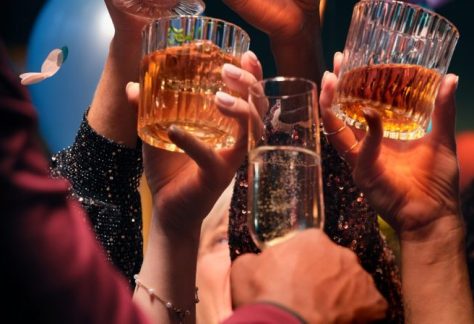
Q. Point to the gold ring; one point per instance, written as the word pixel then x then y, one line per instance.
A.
pixel 337 131
pixel 353 146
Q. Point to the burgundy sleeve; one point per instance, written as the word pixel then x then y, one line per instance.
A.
pixel 53 270
pixel 262 313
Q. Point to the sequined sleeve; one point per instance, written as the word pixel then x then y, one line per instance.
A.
pixel 105 177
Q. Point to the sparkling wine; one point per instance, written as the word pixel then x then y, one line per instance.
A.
pixel 177 87
pixel 403 94
pixel 283 192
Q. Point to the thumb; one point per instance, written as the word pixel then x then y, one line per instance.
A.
pixel 444 115
pixel 132 91
pixel 243 291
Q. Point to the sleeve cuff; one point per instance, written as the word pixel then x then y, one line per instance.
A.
pixel 264 313
pixel 99 168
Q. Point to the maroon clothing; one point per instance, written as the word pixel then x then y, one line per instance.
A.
pixel 262 314
pixel 53 270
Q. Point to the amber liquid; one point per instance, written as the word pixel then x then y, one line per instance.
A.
pixel 403 94
pixel 177 88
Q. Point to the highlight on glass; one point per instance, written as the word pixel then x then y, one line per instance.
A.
pixel 395 56
pixel 180 74
pixel 285 186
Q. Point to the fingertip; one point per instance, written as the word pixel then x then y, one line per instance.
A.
pixel 132 90
pixel 231 71
pixel 374 121
pixel 337 62
pixel 175 133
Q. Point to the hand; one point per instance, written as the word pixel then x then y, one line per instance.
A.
pixel 413 185
pixel 282 19
pixel 187 185
pixel 125 24
pixel 312 276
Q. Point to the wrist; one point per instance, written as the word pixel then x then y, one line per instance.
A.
pixel 439 241
pixel 310 29
pixel 176 229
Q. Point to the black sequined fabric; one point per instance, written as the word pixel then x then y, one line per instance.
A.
pixel 467 199
pixel 349 221
pixel 105 176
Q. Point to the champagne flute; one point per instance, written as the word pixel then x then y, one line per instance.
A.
pixel 285 186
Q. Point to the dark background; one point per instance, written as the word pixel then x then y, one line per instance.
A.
pixel 17 18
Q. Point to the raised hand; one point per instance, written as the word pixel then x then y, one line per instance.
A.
pixel 184 189
pixel 187 185
pixel 125 23
pixel 278 18
pixel 294 30
pixel 414 186
pixel 411 184
pixel 311 275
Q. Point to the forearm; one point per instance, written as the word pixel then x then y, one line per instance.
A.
pixel 104 177
pixel 169 268
pixel 435 280
pixel 301 56
pixel 111 115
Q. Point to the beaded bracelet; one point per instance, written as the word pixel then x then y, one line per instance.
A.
pixel 178 312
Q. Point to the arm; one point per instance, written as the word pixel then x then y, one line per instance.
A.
pixel 104 164
pixel 111 115
pixel 415 188
pixel 184 188
pixel 104 178
pixel 294 28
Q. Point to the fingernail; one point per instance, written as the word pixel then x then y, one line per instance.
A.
pixel 253 58
pixel 225 100
pixel 129 85
pixel 232 71
pixel 175 130
pixel 456 82
pixel 367 112
pixel 323 79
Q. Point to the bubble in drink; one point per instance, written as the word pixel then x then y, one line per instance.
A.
pixel 178 85
pixel 283 192
pixel 403 94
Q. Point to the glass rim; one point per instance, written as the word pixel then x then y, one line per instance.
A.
pixel 415 6
pixel 277 79
pixel 153 22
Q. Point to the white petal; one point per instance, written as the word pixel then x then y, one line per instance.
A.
pixel 53 62
pixel 32 77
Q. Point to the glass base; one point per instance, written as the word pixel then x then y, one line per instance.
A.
pixel 160 8
pixel 403 131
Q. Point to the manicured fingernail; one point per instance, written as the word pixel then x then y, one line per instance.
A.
pixel 225 100
pixel 324 77
pixel 253 58
pixel 130 85
pixel 232 71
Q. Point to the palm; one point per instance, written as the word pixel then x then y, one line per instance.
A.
pixel 415 182
pixel 284 18
pixel 124 22
pixel 176 181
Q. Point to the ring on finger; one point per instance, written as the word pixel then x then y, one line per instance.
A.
pixel 353 146
pixel 337 131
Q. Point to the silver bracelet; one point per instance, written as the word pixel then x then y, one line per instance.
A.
pixel 180 313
